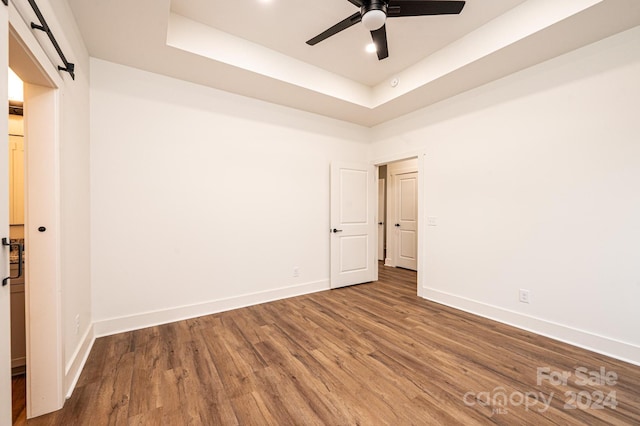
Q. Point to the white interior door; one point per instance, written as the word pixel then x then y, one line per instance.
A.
pixel 407 220
pixel 353 224
pixel 381 204
pixel 5 296
pixel 42 276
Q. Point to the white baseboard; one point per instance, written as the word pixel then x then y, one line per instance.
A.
pixel 111 326
pixel 76 364
pixel 603 345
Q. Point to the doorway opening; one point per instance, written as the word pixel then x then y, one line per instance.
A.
pixel 17 258
pixel 398 232
pixel 43 363
pixel 398 214
pixel 359 236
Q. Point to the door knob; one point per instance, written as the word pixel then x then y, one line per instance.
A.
pixel 42 229
pixel 397 225
pixel 380 223
pixel 335 231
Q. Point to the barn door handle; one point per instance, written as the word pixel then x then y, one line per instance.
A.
pixel 335 231
pixel 5 243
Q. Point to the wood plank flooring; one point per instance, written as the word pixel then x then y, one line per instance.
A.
pixel 373 354
pixel 19 395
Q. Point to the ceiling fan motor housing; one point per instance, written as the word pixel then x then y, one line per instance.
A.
pixel 374 14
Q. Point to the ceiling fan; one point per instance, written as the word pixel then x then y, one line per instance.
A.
pixel 373 14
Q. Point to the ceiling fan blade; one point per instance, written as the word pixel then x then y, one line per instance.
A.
pixel 358 3
pixel 399 8
pixel 342 25
pixel 379 37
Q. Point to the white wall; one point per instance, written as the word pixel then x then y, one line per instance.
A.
pixel 535 183
pixel 203 200
pixel 74 192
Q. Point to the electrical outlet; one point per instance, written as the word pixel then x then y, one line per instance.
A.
pixel 296 271
pixel 524 295
pixel 77 323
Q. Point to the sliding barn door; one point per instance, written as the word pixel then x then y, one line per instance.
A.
pixel 5 317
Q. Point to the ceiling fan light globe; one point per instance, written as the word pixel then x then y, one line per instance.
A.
pixel 373 19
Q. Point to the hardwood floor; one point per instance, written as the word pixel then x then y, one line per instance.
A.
pixel 364 355
pixel 19 395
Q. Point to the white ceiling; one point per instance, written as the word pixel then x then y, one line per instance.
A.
pixel 285 26
pixel 258 49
